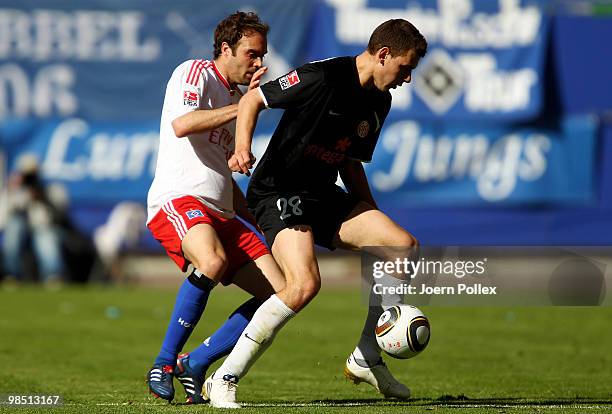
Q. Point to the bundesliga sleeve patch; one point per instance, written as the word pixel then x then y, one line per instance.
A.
pixel 289 80
pixel 190 99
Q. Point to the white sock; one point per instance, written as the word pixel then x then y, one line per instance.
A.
pixel 367 349
pixel 388 300
pixel 256 338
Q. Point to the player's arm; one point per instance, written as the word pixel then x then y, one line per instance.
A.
pixel 288 91
pixel 248 110
pixel 354 178
pixel 202 120
pixel 206 119
pixel 240 205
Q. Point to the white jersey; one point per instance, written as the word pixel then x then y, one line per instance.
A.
pixel 195 165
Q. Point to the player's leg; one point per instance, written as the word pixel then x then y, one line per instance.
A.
pixel 369 228
pixel 261 278
pixel 203 249
pixel 293 248
pixel 252 268
pixel 274 312
pixel 185 228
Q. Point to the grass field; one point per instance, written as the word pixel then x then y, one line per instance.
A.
pixel 93 347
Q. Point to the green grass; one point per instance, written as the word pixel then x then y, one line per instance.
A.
pixel 93 346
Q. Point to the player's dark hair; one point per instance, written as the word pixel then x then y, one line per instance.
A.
pixel 233 27
pixel 399 36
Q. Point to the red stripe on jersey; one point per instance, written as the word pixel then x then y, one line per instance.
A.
pixel 195 72
pixel 220 76
pixel 193 65
pixel 205 64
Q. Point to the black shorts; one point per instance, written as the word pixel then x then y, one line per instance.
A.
pixel 324 212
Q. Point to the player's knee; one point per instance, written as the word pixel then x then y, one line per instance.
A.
pixel 405 239
pixel 400 243
pixel 212 264
pixel 300 294
pixel 307 291
pixel 310 289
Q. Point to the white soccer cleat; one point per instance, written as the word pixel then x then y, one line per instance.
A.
pixel 221 392
pixel 378 376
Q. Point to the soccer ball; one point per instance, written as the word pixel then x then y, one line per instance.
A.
pixel 402 331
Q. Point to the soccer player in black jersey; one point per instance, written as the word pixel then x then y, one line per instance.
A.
pixel 334 111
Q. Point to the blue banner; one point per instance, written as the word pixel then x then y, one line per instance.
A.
pixel 101 60
pixel 414 164
pixel 485 60
pixel 444 164
pixel 98 163
pixel 82 85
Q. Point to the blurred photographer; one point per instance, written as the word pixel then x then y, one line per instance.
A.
pixel 35 215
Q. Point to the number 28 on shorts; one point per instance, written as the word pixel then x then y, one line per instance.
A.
pixel 289 207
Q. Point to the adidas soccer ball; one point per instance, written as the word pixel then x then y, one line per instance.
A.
pixel 402 331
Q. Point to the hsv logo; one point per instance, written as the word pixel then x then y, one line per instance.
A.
pixel 184 323
pixel 440 82
pixel 191 214
pixel 289 80
pixel 190 98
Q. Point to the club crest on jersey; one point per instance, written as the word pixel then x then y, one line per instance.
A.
pixel 190 98
pixel 191 214
pixel 289 80
pixel 362 129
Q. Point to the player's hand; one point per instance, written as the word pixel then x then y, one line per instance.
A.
pixel 255 80
pixel 242 161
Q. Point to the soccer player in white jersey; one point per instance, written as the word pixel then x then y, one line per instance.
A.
pixel 334 112
pixel 193 202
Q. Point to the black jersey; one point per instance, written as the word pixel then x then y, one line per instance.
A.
pixel 328 117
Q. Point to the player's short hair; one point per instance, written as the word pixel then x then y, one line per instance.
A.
pixel 399 36
pixel 233 27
